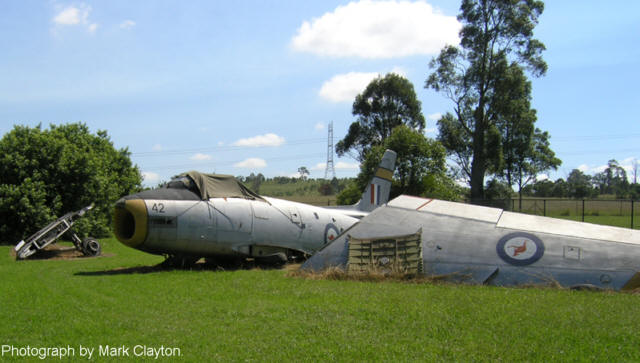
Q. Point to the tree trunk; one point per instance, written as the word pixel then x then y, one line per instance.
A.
pixel 478 164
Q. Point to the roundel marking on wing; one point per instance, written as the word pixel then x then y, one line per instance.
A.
pixel 520 248
pixel 330 233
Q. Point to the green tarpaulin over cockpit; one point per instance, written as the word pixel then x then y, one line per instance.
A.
pixel 220 186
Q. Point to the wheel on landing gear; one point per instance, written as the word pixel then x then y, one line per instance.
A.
pixel 180 261
pixel 91 247
pixel 225 262
pixel 277 259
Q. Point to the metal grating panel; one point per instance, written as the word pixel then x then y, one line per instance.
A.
pixel 386 254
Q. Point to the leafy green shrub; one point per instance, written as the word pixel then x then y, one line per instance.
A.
pixel 47 173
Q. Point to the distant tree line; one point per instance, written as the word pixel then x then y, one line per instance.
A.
pixel 613 181
pixel 283 186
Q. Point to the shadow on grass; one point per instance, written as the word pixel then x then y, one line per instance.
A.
pixel 56 252
pixel 163 267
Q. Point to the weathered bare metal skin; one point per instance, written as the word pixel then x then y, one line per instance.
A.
pixel 488 245
pixel 179 221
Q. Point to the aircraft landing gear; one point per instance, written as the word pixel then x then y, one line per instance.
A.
pixel 91 247
pixel 180 261
pixel 225 263
pixel 277 259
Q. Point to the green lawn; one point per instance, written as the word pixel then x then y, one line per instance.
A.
pixel 609 212
pixel 263 315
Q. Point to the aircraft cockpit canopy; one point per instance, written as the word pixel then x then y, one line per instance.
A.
pixel 182 182
pixel 208 186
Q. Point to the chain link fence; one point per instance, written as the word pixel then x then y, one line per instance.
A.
pixel 613 212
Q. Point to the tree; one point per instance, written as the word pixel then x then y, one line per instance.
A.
pixel 497 35
pixel 387 102
pixel 525 150
pixel 498 194
pixel 613 180
pixel 543 188
pixel 420 167
pixel 255 181
pixel 560 189
pixel 304 172
pixel 578 184
pixel 535 159
pixel 325 189
pixel 47 173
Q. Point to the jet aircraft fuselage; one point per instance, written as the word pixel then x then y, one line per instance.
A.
pixel 215 216
pixel 179 223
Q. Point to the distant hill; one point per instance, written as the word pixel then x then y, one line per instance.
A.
pixel 312 191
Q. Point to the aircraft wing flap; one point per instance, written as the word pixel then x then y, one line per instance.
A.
pixel 468 211
pixel 408 202
pixel 531 223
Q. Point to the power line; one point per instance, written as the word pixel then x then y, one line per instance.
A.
pixel 226 163
pixel 221 148
pixel 594 137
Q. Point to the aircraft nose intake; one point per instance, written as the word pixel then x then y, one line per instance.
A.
pixel 130 221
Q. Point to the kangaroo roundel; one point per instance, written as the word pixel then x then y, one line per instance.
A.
pixel 520 248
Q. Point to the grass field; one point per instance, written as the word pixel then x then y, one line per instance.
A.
pixel 609 212
pixel 264 315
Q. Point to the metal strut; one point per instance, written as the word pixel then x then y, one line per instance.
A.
pixel 54 230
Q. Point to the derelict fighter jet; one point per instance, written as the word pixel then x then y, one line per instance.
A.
pixel 215 216
pixel 483 245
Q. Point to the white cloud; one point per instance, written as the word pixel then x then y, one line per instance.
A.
pixel 156 147
pixel 434 116
pixel 432 130
pixel 70 16
pixel 127 24
pixel 343 165
pixel 319 126
pixel 378 29
pixel 75 15
pixel 200 157
pixel 251 163
pixel 150 177
pixel 319 166
pixel 541 177
pixel 592 169
pixel 628 161
pixel 261 140
pixel 345 87
pixel 628 165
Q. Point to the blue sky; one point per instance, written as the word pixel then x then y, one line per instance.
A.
pixel 249 86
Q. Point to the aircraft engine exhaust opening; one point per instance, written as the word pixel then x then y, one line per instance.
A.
pixel 130 222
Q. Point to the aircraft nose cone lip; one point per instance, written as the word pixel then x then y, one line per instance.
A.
pixel 130 221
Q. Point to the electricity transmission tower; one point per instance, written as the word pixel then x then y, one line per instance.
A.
pixel 330 168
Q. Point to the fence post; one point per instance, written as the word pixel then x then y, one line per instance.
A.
pixel 544 207
pixel 631 213
pixel 583 210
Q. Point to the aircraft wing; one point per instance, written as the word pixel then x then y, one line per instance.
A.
pixel 492 246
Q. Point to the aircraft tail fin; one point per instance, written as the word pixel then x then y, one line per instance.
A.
pixel 378 189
